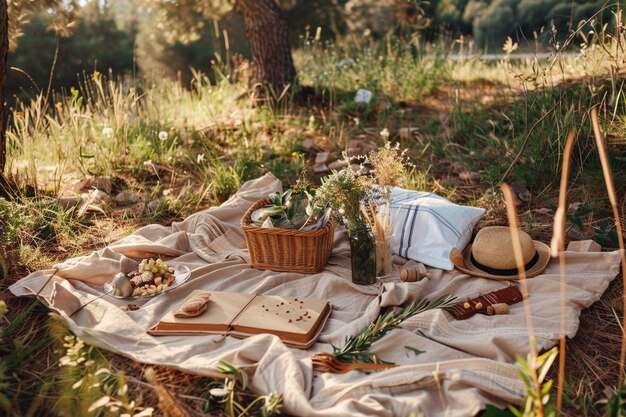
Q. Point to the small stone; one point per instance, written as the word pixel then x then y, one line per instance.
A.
pixel 575 233
pixel 307 145
pixel 320 168
pixel 355 143
pixel 154 205
pixel 383 105
pixel 68 202
pixel 520 192
pixel 367 147
pixel 457 168
pixel 574 206
pixel 102 183
pixel 322 158
pixel 471 177
pixel 407 132
pixel 127 197
pixel 353 151
pixel 362 170
pixel 338 164
pixel 82 185
pixel 138 208
pixel 584 246
pixel 96 197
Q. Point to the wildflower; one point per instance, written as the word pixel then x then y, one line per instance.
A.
pixel 509 46
pixel 59 104
pixel 19 113
pixel 346 62
pixel 385 133
pixel 219 392
pixel 200 158
pixel 95 74
pixel 357 121
pixel 147 163
pixel 271 403
pixel 107 132
pixel 388 163
pixel 163 135
pixel 229 385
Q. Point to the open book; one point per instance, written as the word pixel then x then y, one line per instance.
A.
pixel 298 322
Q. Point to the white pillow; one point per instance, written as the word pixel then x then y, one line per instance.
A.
pixel 427 226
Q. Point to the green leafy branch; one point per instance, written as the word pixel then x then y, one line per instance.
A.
pixel 236 400
pixel 356 348
pixel 533 372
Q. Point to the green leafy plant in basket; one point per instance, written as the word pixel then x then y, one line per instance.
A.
pixel 293 209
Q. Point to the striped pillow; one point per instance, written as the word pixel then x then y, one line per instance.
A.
pixel 427 227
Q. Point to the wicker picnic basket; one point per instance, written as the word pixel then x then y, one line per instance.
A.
pixel 287 249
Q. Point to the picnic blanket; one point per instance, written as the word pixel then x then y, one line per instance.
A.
pixel 464 364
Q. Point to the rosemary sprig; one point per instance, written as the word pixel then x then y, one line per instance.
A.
pixel 356 348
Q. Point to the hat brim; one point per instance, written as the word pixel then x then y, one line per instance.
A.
pixel 470 268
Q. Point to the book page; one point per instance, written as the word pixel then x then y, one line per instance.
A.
pixel 280 315
pixel 222 309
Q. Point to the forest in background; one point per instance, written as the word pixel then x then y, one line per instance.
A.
pixel 133 38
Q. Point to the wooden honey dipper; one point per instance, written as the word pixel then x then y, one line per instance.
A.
pixel 414 274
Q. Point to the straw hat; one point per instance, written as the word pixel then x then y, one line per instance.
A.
pixel 491 255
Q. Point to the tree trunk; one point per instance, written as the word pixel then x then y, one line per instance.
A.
pixel 266 30
pixel 4 50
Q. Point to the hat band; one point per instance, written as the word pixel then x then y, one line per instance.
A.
pixel 505 272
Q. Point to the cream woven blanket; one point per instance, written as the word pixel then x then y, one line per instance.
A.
pixel 465 364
